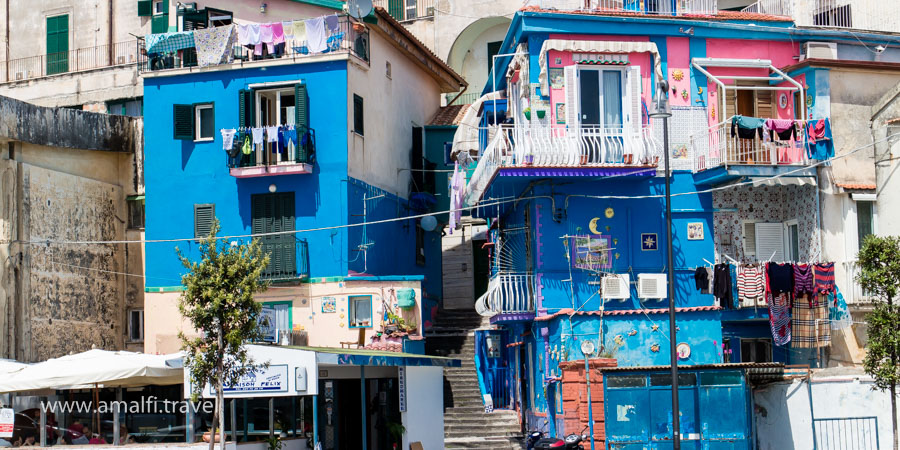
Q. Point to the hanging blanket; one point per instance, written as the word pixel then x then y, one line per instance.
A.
pixel 780 318
pixel 809 324
pixel 215 45
pixel 169 42
pixel 838 311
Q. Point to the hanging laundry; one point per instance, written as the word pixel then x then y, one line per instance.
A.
pixel 290 135
pixel 751 285
pixel 331 23
pixel 722 286
pixel 257 135
pixel 299 30
pixel 169 42
pixel 824 278
pixel 277 33
pixel 809 324
pixel 288 29
pixel 818 138
pixel 838 312
pixel 243 33
pixel 315 35
pixel 783 128
pixel 780 278
pixel 235 149
pixel 267 36
pixel 254 34
pixel 746 127
pixel 215 45
pixel 246 149
pixel 228 138
pixel 282 142
pixel 701 280
pixel 272 135
pixel 803 281
pixel 780 318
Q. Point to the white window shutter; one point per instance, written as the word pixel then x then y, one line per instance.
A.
pixel 573 117
pixel 770 241
pixel 632 106
pixel 749 235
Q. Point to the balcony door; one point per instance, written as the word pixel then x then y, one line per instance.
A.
pixel 275 107
pixel 601 94
pixel 58 44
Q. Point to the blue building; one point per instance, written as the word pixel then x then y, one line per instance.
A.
pixel 346 185
pixel 570 179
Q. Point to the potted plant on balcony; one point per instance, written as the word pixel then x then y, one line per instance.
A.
pixel 359 27
pixel 527 113
pixel 541 113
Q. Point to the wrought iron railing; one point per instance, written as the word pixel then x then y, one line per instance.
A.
pixel 847 433
pixel 351 37
pixel 268 154
pixel 651 7
pixel 403 10
pixel 716 147
pixel 89 58
pixel 507 293
pixel 858 14
pixel 288 258
pixel 465 99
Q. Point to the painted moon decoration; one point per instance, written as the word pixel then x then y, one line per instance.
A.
pixel 593 225
pixel 609 213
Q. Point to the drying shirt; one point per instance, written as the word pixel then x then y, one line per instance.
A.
pixel 277 33
pixel 331 23
pixel 747 127
pixel 818 137
pixel 272 134
pixel 253 34
pixel 823 274
pixel 751 283
pixel 243 32
pixel 315 35
pixel 228 138
pixel 803 280
pixel 701 279
pixel 288 28
pixel 780 278
pixel 722 286
pixel 257 135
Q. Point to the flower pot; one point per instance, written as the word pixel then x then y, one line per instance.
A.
pixel 584 159
pixel 541 113
pixel 358 27
pixel 529 159
pixel 207 437
pixel 527 115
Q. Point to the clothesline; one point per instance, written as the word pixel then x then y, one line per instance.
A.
pixel 814 135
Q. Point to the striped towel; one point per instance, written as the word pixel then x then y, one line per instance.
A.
pixel 780 318
pixel 751 285
pixel 810 327
pixel 824 277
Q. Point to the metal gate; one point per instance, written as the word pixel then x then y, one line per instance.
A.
pixel 848 433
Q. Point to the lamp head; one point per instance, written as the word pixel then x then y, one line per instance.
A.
pixel 660 108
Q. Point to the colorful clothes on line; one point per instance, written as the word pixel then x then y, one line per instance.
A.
pixel 722 286
pixel 215 45
pixel 818 137
pixel 780 278
pixel 780 318
pixel 747 127
pixel 824 278
pixel 288 28
pixel 228 138
pixel 277 33
pixel 315 35
pixel 751 285
pixel 246 149
pixel 272 134
pixel 838 312
pixel 254 34
pixel 243 34
pixel 803 281
pixel 257 135
pixel 331 23
pixel 809 324
pixel 169 42
pixel 299 30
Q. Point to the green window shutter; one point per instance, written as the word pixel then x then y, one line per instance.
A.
pixel 395 9
pixel 358 117
pixel 274 213
pixel 301 110
pixel 246 108
pixel 203 219
pixel 288 241
pixel 145 8
pixel 57 44
pixel 183 122
pixel 159 24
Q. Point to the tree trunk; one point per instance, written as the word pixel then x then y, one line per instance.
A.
pixel 894 412
pixel 220 393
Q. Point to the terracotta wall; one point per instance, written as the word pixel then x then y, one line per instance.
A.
pixel 575 398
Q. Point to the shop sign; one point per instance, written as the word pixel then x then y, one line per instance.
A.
pixel 7 420
pixel 401 384
pixel 261 380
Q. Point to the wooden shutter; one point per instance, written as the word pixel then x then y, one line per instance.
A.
pixel 730 104
pixel 203 219
pixel 749 235
pixel 395 9
pixel 573 117
pixel 57 44
pixel 633 106
pixel 247 108
pixel 764 104
pixel 288 241
pixel 145 8
pixel 274 213
pixel 769 241
pixel 301 108
pixel 183 122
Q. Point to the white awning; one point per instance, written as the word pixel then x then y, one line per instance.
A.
pixel 95 367
pixel 595 47
pixel 466 137
pixel 701 64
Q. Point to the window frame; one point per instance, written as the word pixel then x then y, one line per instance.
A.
pixel 872 220
pixel 351 311
pixel 410 5
pixel 198 207
pixel 359 115
pixel 624 98
pixel 131 337
pixel 753 342
pixel 789 254
pixel 290 309
pixel 131 204
pixel 159 8
pixel 198 121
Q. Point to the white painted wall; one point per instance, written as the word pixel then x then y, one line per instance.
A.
pixel 424 416
pixel 784 413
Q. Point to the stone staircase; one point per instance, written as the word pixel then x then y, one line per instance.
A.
pixel 466 426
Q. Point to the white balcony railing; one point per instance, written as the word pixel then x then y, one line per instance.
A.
pixel 858 14
pixel 853 292
pixel 649 7
pixel 717 148
pixel 507 294
pixel 561 147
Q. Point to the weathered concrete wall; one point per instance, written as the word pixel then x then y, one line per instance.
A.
pixel 784 412
pixel 887 159
pixel 79 88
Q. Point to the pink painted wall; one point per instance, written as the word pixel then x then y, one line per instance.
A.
pixel 679 60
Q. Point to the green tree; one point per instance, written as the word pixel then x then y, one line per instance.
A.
pixel 218 301
pixel 879 262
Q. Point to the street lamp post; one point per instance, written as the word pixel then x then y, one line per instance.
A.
pixel 662 111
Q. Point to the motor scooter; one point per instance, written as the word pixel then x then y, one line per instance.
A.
pixel 571 442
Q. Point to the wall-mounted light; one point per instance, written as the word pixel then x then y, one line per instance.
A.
pixel 262 7
pixel 273 188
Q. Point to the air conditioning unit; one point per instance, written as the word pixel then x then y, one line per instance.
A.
pixel 120 60
pixel 652 286
pixel 20 75
pixel 819 50
pixel 429 11
pixel 616 287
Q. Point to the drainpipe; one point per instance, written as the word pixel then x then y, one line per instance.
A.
pixel 110 50
pixel 7 40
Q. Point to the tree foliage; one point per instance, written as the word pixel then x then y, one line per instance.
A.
pixel 218 290
pixel 884 342
pixel 879 262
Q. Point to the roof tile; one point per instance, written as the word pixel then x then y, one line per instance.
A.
pixel 721 15
pixel 449 115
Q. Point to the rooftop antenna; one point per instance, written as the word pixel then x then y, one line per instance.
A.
pixel 359 8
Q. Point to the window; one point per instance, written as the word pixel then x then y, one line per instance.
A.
pixel 136 325
pixel 865 213
pixel 387 69
pixel 411 9
pixel 358 117
pixel 600 98
pixel 625 381
pixel 58 44
pixel 204 215
pixel 145 8
pixel 792 236
pixel 360 311
pixel 136 212
pixel 287 105
pixel 160 7
pixel 420 243
pixel 798 105
pixel 205 124
pixel 749 241
pixel 132 108
pixel 770 241
pixel 283 319
pixel 273 213
pixel 756 350
pixel 159 23
pixel 493 48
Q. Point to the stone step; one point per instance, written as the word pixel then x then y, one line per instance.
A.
pixel 482 443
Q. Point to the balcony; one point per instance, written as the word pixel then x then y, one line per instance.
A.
pixel 88 58
pixel 509 298
pixel 407 10
pixel 720 158
pixel 350 38
pixel 264 161
pixel 648 7
pixel 855 14
pixel 851 289
pixel 524 151
pixel 288 258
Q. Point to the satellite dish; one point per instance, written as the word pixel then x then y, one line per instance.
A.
pixel 359 8
pixel 587 347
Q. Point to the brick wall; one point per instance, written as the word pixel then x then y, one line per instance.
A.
pixel 575 398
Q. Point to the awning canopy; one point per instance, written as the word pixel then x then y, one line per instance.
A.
pixel 702 64
pixel 94 368
pixel 466 137
pixel 566 45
